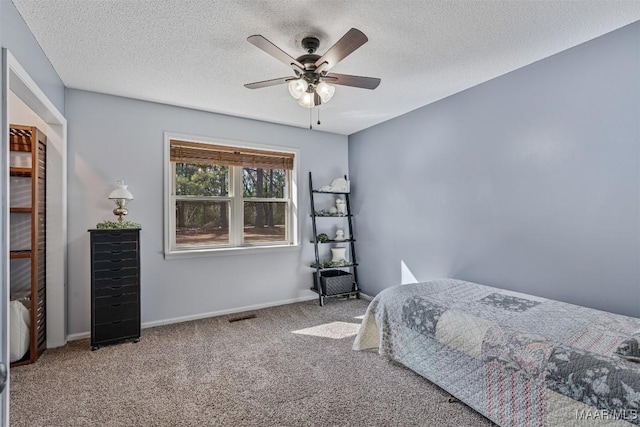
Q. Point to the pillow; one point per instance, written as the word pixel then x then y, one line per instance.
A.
pixel 20 320
pixel 630 348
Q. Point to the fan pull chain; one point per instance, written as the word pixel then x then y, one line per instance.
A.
pixel 310 125
pixel 318 115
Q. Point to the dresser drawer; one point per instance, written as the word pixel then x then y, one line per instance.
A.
pixel 116 331
pixel 115 247
pixel 115 263
pixel 114 254
pixel 115 281
pixel 116 312
pixel 113 290
pixel 115 236
pixel 115 299
pixel 115 272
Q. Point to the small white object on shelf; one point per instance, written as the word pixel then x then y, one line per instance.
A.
pixel 338 254
pixel 341 206
pixel 338 185
pixel 339 235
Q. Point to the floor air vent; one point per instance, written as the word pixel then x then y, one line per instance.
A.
pixel 238 319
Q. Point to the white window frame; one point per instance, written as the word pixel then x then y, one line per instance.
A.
pixel 236 214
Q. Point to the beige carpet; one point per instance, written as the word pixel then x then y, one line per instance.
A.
pixel 211 372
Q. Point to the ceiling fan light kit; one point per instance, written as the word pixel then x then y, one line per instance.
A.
pixel 309 95
pixel 310 85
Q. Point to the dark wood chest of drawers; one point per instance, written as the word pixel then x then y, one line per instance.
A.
pixel 115 286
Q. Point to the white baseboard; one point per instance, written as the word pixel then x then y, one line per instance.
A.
pixel 78 336
pixel 84 335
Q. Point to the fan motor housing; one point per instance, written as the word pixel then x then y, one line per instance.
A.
pixel 309 61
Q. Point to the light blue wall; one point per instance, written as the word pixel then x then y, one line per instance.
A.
pixel 113 138
pixel 529 182
pixel 16 36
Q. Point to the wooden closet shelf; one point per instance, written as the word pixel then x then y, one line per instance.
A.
pixel 20 210
pixel 28 139
pixel 16 171
pixel 24 361
pixel 20 254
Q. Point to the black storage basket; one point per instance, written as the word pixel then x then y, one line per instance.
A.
pixel 334 282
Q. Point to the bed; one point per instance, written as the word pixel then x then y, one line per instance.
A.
pixel 517 359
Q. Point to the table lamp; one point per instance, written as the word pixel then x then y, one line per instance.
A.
pixel 121 196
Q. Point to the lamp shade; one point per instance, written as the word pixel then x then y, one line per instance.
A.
pixel 310 99
pixel 297 88
pixel 325 91
pixel 120 192
pixel 307 100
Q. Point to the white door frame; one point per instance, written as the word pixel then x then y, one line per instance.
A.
pixel 16 79
pixel 4 236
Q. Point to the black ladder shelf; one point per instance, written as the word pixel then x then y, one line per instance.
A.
pixel 333 281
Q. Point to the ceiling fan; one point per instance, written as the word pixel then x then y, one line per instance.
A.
pixel 312 83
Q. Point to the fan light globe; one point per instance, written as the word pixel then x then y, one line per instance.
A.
pixel 307 100
pixel 297 88
pixel 325 91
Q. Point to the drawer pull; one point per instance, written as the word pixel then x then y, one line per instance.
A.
pixel 117 279
pixel 116 260
pixel 115 269
pixel 115 287
pixel 117 252
pixel 116 305
pixel 117 321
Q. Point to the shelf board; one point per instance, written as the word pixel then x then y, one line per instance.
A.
pixel 336 295
pixel 20 210
pixel 333 268
pixel 20 254
pixel 330 192
pixel 329 216
pixel 334 241
pixel 21 362
pixel 15 171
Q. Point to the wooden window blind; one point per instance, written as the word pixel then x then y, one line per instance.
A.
pixel 211 154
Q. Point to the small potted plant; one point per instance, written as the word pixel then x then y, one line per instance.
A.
pixel 117 225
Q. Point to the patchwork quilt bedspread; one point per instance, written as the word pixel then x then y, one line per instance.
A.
pixel 519 360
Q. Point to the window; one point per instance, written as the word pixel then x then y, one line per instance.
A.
pixel 229 197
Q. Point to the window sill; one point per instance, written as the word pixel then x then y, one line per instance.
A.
pixel 245 250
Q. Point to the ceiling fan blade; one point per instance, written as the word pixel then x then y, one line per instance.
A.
pixel 354 81
pixel 343 48
pixel 273 50
pixel 267 83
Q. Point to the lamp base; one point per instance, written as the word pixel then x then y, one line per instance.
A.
pixel 120 212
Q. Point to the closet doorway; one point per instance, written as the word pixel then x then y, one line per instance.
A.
pixel 24 103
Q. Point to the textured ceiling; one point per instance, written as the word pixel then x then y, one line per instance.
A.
pixel 195 53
